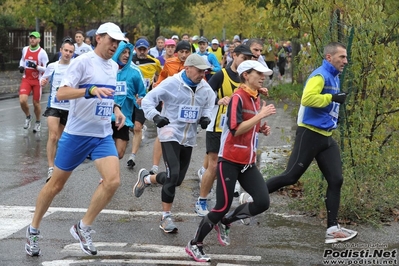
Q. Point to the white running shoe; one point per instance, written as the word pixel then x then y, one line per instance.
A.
pixel 37 127
pixel 337 233
pixel 27 123
pixel 196 252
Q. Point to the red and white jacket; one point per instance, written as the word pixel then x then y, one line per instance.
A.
pixel 240 149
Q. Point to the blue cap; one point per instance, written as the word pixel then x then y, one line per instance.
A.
pixel 142 43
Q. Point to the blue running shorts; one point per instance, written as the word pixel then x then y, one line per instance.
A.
pixel 73 150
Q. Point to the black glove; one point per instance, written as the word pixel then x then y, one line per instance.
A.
pixel 204 122
pixel 31 64
pixel 339 97
pixel 21 69
pixel 160 121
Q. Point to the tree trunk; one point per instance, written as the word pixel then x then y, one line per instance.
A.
pixel 59 35
pixel 157 32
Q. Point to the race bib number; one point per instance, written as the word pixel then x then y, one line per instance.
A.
pixel 58 101
pixel 147 83
pixel 335 110
pixel 256 141
pixel 121 88
pixel 222 120
pixel 104 109
pixel 188 113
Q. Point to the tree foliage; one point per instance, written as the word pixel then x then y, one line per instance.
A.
pixel 61 14
pixel 158 15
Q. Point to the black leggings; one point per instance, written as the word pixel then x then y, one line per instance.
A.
pixel 177 159
pixel 251 180
pixel 309 145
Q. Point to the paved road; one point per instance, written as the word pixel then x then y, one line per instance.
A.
pixel 127 231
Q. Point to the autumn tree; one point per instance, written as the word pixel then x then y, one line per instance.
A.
pixel 64 13
pixel 157 14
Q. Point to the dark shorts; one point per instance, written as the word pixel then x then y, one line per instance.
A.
pixel 138 115
pixel 213 141
pixel 122 133
pixel 61 114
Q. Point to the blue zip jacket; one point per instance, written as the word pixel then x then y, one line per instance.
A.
pixel 323 118
pixel 130 82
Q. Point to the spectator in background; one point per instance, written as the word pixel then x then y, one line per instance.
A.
pixel 159 49
pixel 80 46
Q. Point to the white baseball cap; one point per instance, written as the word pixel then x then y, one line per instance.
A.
pixel 252 64
pixel 112 30
pixel 215 41
pixel 175 37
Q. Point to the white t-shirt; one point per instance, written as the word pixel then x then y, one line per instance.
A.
pixel 83 48
pixel 55 72
pixel 90 117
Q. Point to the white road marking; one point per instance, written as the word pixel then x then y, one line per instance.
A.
pixel 153 251
pixel 124 262
pixel 15 218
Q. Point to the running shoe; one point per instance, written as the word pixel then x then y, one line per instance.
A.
pixel 37 127
pixel 140 185
pixel 154 170
pixel 32 243
pixel 130 162
pixel 245 198
pixel 49 173
pixel 167 225
pixel 27 123
pixel 337 233
pixel 237 190
pixel 201 207
pixel 223 234
pixel 197 252
pixel 84 237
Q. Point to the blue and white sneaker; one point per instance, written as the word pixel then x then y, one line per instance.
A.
pixel 201 207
